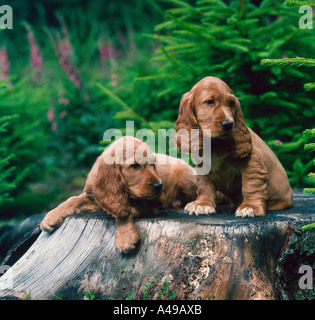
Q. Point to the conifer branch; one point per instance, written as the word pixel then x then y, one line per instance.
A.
pixel 291 3
pixel 309 86
pixel 291 62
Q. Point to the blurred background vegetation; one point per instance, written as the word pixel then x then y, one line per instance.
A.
pixel 69 70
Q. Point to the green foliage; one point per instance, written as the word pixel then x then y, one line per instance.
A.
pixel 291 62
pixel 299 3
pixel 148 287
pixel 309 134
pixel 228 40
pixel 26 296
pixel 299 251
pixel 55 57
pixel 21 110
pixel 300 170
pixel 7 182
pixel 89 295
pixel 308 227
pixel 78 70
pixel 164 292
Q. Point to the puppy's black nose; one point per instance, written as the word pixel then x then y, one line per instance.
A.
pixel 227 125
pixel 157 187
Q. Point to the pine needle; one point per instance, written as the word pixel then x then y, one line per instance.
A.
pixel 291 62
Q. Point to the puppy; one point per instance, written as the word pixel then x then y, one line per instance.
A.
pixel 243 167
pixel 129 180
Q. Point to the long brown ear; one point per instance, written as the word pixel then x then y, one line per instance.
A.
pixel 242 137
pixel 186 121
pixel 186 118
pixel 110 189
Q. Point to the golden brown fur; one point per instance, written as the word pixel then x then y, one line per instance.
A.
pixel 243 167
pixel 124 189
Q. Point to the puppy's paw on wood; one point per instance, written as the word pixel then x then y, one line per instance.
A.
pixel 198 208
pixel 244 211
pixel 51 222
pixel 126 242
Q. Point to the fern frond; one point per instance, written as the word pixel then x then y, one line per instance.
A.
pixel 309 133
pixel 291 3
pixel 291 62
pixel 309 86
pixel 310 147
pixel 309 226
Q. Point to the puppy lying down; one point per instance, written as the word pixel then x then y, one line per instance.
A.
pixel 129 180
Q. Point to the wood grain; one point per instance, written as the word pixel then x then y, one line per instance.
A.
pixel 205 257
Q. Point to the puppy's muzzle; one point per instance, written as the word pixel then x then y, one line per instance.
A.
pixel 157 187
pixel 227 125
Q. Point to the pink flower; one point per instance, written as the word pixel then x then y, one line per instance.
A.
pixel 278 142
pixel 63 100
pixel 64 47
pixel 4 63
pixel 107 51
pixel 36 60
pixel 102 52
pixel 62 114
pixel 63 52
pixel 53 127
pixel 114 79
pixel 121 38
pixel 51 115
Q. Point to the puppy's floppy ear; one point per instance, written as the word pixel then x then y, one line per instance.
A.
pixel 242 137
pixel 186 121
pixel 110 189
pixel 186 118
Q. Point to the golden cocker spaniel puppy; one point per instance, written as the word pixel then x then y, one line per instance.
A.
pixel 243 167
pixel 129 180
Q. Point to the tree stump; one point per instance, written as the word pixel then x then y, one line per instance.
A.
pixel 204 257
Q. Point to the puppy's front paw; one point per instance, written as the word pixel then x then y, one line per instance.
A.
pixel 248 211
pixel 197 207
pixel 126 242
pixel 51 222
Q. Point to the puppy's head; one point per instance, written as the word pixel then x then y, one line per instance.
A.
pixel 138 170
pixel 126 170
pixel 211 105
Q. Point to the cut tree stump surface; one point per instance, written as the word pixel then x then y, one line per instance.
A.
pixel 205 257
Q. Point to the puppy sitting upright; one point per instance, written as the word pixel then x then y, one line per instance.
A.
pixel 243 167
pixel 128 180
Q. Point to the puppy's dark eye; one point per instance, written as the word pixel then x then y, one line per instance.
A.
pixel 210 102
pixel 136 166
pixel 232 103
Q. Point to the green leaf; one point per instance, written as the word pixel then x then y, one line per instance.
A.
pixel 308 227
pixel 269 95
pixel 309 86
pixel 291 62
pixel 310 147
pixel 121 103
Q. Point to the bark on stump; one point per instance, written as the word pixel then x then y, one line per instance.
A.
pixel 205 257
